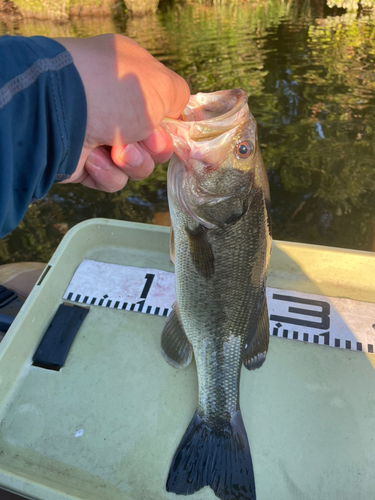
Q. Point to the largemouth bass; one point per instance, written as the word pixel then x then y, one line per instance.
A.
pixel 220 211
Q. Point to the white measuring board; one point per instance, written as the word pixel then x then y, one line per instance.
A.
pixel 331 321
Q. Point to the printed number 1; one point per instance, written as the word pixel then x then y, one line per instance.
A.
pixel 149 279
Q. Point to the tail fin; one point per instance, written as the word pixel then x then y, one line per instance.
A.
pixel 219 458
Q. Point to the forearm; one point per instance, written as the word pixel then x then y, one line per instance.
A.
pixel 42 122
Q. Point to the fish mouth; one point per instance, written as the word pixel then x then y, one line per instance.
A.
pixel 211 115
pixel 207 125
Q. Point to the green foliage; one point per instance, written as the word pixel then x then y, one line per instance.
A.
pixel 56 9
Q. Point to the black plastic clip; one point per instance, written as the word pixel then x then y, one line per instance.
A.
pixel 54 347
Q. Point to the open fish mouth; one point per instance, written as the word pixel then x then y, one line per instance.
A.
pixel 207 125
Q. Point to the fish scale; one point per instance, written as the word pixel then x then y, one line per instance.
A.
pixel 214 378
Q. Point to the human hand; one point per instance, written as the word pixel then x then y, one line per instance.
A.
pixel 128 93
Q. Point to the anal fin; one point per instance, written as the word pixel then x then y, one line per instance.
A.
pixel 175 345
pixel 256 345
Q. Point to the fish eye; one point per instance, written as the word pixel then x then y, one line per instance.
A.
pixel 244 149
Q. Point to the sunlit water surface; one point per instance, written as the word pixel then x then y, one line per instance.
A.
pixel 310 82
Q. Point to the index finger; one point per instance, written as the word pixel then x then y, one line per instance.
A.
pixel 178 95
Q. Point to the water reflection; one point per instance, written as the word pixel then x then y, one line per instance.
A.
pixel 311 85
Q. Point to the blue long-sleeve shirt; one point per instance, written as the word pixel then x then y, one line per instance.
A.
pixel 42 122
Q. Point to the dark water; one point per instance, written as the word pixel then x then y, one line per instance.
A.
pixel 311 81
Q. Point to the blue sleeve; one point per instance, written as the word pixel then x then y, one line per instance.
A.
pixel 42 122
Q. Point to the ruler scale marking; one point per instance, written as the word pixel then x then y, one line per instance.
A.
pixel 319 320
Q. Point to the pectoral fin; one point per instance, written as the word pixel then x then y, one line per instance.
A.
pixel 201 251
pixel 256 346
pixel 175 345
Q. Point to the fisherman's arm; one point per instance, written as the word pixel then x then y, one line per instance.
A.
pixel 44 133
pixel 42 122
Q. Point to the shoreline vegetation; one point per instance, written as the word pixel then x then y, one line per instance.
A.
pixel 64 10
